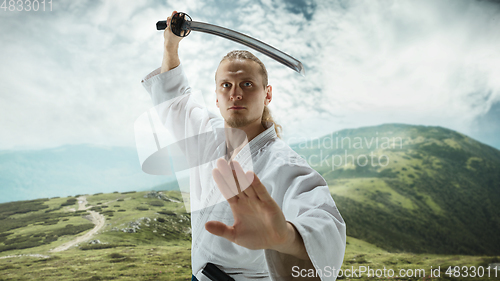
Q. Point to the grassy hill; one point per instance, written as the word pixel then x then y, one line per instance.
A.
pixel 412 197
pixel 147 237
pixel 149 231
pixel 408 188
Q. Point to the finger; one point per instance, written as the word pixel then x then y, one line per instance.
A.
pixel 243 180
pixel 240 175
pixel 220 229
pixel 258 187
pixel 165 32
pixel 172 15
pixel 241 193
pixel 221 184
pixel 170 18
pixel 227 173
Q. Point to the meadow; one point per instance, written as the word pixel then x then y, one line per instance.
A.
pixel 146 236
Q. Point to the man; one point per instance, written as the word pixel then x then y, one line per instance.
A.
pixel 278 221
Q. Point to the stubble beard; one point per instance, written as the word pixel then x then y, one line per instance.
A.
pixel 237 120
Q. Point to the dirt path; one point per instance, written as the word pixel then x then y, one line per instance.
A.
pixel 82 201
pixel 98 219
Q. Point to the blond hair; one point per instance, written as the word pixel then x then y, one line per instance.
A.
pixel 246 55
pixel 267 117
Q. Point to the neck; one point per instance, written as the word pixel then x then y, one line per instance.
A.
pixel 235 140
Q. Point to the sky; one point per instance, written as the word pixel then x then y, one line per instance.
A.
pixel 73 75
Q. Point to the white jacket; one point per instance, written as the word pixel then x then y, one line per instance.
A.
pixel 300 191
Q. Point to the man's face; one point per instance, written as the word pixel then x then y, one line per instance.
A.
pixel 241 95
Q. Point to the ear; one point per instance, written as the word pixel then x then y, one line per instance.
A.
pixel 269 94
pixel 216 100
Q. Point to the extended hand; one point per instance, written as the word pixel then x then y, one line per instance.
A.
pixel 259 222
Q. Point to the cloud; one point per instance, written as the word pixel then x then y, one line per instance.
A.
pixel 73 75
pixel 418 62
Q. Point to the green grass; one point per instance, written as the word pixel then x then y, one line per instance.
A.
pixel 360 253
pixel 32 222
pixel 160 250
pixel 131 202
pixel 171 261
pixel 168 262
pixel 363 189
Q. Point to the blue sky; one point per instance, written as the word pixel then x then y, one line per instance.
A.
pixel 72 75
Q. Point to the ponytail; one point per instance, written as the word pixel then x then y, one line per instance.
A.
pixel 267 117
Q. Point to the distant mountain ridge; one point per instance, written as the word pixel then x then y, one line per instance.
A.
pixel 434 190
pixel 71 170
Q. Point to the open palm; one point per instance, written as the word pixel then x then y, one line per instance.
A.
pixel 259 222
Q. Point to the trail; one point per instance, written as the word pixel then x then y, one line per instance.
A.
pixel 98 219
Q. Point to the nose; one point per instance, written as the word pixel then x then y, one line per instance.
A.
pixel 236 93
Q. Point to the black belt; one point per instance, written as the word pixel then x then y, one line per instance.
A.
pixel 215 274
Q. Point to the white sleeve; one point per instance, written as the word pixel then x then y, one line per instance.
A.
pixel 179 112
pixel 309 206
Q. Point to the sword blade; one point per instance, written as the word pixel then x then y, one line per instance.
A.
pixel 248 41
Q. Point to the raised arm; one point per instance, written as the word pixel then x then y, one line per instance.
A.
pixel 186 119
pixel 170 48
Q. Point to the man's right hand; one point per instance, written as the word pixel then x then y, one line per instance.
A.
pixel 170 47
pixel 171 40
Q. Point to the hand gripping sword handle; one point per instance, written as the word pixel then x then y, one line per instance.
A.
pixel 179 24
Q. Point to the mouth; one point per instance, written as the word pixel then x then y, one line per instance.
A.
pixel 236 108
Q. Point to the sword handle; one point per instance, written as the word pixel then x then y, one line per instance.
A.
pixel 179 24
pixel 215 274
pixel 161 25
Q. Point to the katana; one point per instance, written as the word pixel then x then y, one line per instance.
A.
pixel 181 25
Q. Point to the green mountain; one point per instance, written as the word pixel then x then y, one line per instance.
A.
pixel 408 188
pixel 401 188
pixel 146 236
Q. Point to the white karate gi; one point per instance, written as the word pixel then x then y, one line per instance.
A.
pixel 300 191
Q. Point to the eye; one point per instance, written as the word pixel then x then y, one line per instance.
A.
pixel 247 84
pixel 225 85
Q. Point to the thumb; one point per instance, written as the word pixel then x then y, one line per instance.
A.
pixel 220 229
